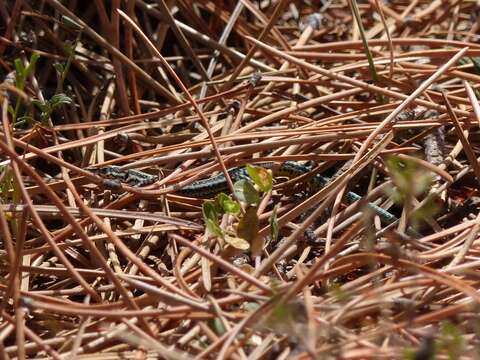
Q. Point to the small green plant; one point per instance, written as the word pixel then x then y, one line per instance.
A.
pixel 261 177
pixel 409 179
pixel 46 107
pixel 245 235
pixel 410 182
pixel 21 75
pixel 246 192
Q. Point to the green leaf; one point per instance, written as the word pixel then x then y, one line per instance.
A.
pixel 41 105
pixel 213 227
pixel 429 208
pixel 261 177
pixel 408 177
pixel 227 204
pixel 59 67
pixel 209 210
pixel 25 119
pixel 249 225
pixel 210 216
pixel 31 64
pixel 22 72
pixel 274 224
pixel 19 69
pixel 58 100
pixel 244 191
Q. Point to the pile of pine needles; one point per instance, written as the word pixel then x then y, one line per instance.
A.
pixel 380 96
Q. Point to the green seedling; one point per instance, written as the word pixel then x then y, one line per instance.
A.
pixel 246 232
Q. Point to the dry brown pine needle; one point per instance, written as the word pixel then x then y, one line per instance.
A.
pixel 346 155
